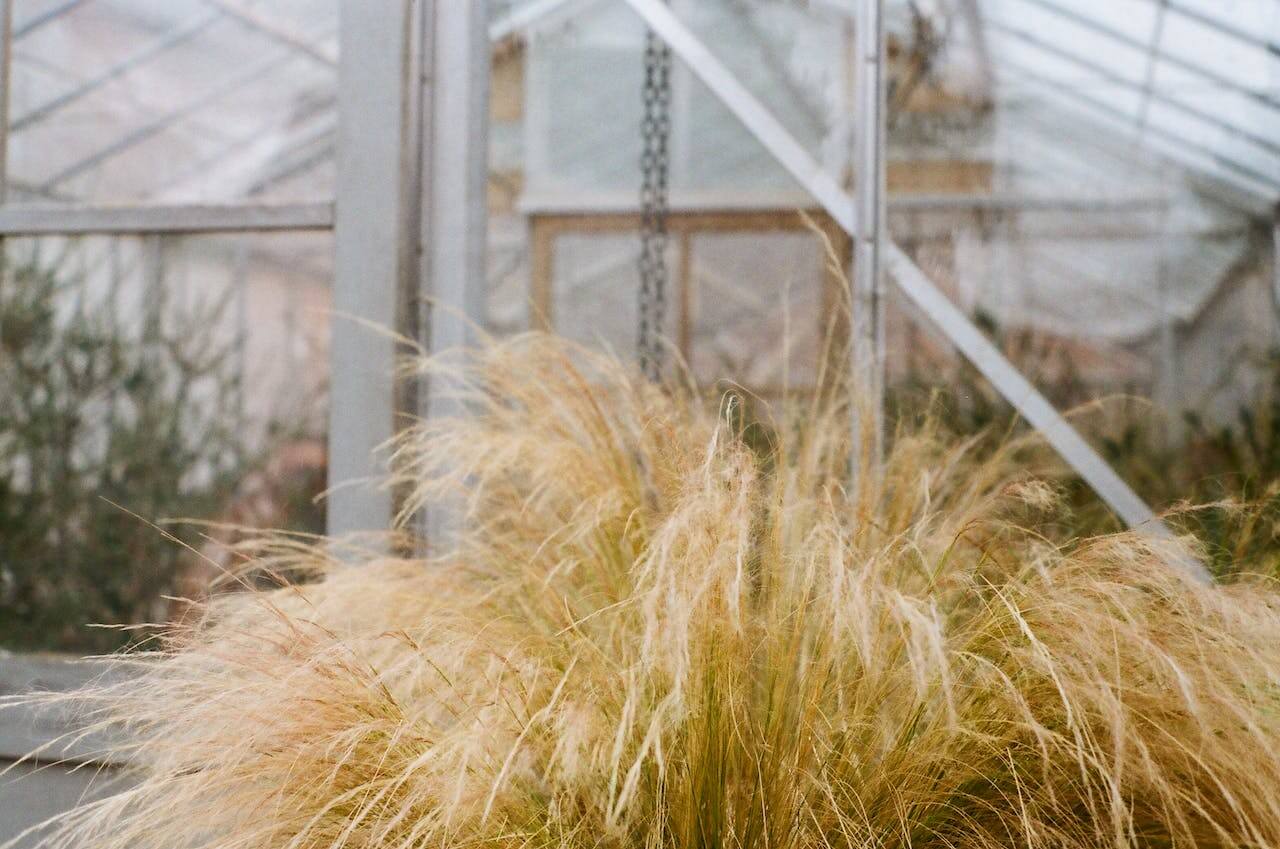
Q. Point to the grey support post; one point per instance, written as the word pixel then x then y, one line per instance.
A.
pixel 455 168
pixel 868 268
pixel 374 250
pixel 409 223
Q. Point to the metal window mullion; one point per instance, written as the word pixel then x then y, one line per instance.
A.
pixel 868 275
pixel 6 78
pixel 375 176
pixel 6 75
pixel 1275 259
pixel 1168 385
pixel 453 225
pixel 411 212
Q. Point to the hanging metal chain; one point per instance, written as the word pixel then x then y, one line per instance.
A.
pixel 655 131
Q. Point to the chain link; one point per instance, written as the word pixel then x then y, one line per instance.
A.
pixel 655 131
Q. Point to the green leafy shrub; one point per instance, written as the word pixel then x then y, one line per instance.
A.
pixel 101 417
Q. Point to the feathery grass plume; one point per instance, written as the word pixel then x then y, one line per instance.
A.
pixel 646 633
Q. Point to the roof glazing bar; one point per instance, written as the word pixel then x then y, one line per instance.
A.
pixel 1224 27
pixel 163 122
pixel 274 30
pixel 78 219
pixel 1257 181
pixel 124 66
pixel 1199 114
pixel 34 23
pixel 1166 58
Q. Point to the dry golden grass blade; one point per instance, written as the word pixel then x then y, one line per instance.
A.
pixel 649 633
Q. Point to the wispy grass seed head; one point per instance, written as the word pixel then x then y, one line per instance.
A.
pixel 646 633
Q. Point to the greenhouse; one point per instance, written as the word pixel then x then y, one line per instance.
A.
pixel 639 423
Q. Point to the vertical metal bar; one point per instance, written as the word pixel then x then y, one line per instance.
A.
pixel 292 307
pixel 1167 382
pixel 240 286
pixel 6 74
pixel 682 91
pixel 455 167
pixel 868 273
pixel 155 294
pixel 116 272
pixel 1275 257
pixel 372 239
pixel 115 264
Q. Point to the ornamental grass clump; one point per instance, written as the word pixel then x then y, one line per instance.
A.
pixel 647 630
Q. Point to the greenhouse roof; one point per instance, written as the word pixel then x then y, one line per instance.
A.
pixel 151 100
pixel 1195 80
pixel 222 100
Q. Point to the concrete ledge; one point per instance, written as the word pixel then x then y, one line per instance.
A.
pixel 53 730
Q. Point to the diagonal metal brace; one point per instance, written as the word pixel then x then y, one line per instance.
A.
pixel 910 279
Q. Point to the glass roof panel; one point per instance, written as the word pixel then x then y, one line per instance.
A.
pixel 1192 79
pixel 119 101
pixel 220 99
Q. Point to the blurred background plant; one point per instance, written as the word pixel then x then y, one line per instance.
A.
pixel 110 422
pixel 1216 479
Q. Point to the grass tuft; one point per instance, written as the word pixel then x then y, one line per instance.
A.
pixel 651 631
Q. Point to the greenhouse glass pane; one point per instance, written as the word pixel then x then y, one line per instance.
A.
pixel 595 286
pixel 589 64
pixel 1066 170
pixel 760 304
pixel 128 101
pixel 148 379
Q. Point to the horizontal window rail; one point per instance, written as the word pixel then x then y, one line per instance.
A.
pixel 74 220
